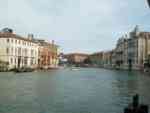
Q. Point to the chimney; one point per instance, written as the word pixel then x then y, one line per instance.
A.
pixel 53 42
pixel 30 36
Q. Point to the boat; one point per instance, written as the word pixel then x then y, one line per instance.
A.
pixel 75 68
pixel 22 70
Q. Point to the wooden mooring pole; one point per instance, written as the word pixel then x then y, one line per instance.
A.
pixel 135 107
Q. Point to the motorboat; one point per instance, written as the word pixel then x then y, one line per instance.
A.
pixel 75 68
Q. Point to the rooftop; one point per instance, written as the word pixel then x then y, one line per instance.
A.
pixel 12 35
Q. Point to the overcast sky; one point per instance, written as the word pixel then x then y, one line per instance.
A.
pixel 75 25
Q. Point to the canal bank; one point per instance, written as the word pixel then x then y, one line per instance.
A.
pixel 121 68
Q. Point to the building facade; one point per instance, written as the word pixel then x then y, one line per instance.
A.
pixel 17 51
pixel 48 55
pixel 107 59
pixel 138 49
pixel 121 53
pixel 76 58
pixel 132 51
pixel 96 59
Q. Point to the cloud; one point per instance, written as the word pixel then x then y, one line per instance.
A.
pixel 76 25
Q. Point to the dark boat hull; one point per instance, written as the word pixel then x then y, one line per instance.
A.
pixel 22 70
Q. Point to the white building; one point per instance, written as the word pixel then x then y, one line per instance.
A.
pixel 133 52
pixel 18 51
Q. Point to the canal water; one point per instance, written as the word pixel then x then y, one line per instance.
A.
pixel 65 91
